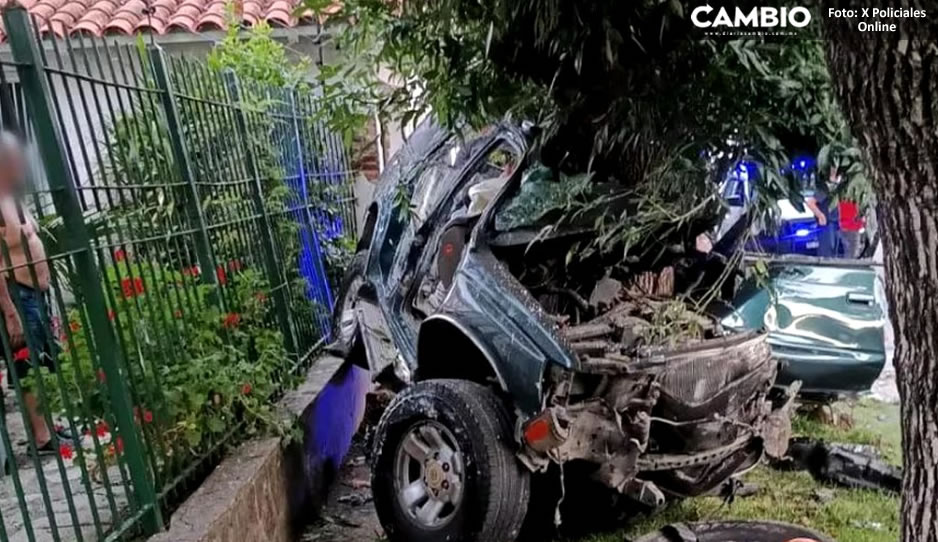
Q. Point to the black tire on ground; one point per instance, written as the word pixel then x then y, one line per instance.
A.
pixel 744 531
pixel 496 487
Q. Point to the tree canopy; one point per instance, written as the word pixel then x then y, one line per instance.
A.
pixel 625 91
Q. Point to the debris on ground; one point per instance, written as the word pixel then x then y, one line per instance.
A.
pixel 824 495
pixel 763 531
pixel 348 513
pixel 826 414
pixel 856 466
pixel 867 525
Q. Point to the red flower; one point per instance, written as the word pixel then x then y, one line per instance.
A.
pixel 110 314
pixel 193 271
pixel 222 275
pixel 177 313
pixel 246 388
pixel 234 265
pixel 147 416
pixel 119 255
pixel 232 320
pixel 21 355
pixel 120 445
pixel 127 288
pixel 65 451
pixel 101 429
pixel 138 285
pixel 74 326
pixel 101 376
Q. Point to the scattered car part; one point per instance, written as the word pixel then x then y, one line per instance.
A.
pixel 735 531
pixel 849 465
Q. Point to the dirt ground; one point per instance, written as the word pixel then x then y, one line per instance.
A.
pixel 348 513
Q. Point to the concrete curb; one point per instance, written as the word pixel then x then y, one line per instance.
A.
pixel 261 491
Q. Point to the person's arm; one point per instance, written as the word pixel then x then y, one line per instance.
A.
pixel 10 317
pixel 818 214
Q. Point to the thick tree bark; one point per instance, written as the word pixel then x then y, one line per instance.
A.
pixel 888 86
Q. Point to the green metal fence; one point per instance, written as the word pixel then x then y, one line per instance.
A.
pixel 169 266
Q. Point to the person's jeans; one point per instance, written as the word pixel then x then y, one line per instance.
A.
pixel 827 241
pixel 851 241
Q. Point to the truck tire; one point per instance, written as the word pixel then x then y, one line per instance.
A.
pixel 749 531
pixel 443 468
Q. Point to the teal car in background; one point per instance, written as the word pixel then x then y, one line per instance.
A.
pixel 824 317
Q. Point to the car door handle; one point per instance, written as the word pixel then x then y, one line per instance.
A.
pixel 862 299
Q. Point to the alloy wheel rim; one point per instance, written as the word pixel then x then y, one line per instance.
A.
pixel 429 474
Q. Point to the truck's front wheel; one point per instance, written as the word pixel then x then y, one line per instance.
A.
pixel 443 466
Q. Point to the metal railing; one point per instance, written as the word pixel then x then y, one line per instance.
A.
pixel 169 267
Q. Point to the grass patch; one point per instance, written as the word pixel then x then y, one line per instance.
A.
pixel 850 516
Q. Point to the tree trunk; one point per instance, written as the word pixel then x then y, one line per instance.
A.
pixel 888 88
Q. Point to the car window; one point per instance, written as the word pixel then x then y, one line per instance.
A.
pixel 418 196
pixel 476 189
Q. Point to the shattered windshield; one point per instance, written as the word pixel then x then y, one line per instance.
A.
pixel 541 197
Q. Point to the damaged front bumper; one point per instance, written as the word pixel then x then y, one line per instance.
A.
pixel 677 422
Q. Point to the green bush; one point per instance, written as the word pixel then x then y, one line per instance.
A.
pixel 196 370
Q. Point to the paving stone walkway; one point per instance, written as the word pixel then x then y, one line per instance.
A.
pixel 72 522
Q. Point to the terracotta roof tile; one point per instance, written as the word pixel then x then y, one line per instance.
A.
pixel 125 17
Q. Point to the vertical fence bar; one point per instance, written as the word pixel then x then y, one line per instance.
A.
pixel 277 280
pixel 49 139
pixel 203 246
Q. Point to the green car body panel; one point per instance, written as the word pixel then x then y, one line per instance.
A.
pixel 825 323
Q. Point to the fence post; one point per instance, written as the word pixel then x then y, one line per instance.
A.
pixel 277 279
pixel 203 245
pixel 49 139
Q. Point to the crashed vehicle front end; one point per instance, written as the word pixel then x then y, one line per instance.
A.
pixel 656 421
pixel 670 423
pixel 507 340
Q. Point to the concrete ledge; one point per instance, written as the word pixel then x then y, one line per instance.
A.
pixel 261 491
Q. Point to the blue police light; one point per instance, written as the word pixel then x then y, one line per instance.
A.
pixel 803 163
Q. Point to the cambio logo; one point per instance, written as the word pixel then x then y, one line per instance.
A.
pixel 760 17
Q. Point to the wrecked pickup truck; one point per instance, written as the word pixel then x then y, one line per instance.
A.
pixel 506 373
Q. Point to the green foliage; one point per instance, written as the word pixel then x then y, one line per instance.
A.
pixel 196 371
pixel 624 90
pixel 257 57
pixel 201 359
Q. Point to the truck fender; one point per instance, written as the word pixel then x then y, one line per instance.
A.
pixel 446 348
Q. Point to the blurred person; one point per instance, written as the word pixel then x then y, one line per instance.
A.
pixel 851 224
pixel 26 257
pixel 820 204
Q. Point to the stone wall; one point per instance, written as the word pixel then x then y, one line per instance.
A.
pixel 264 490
